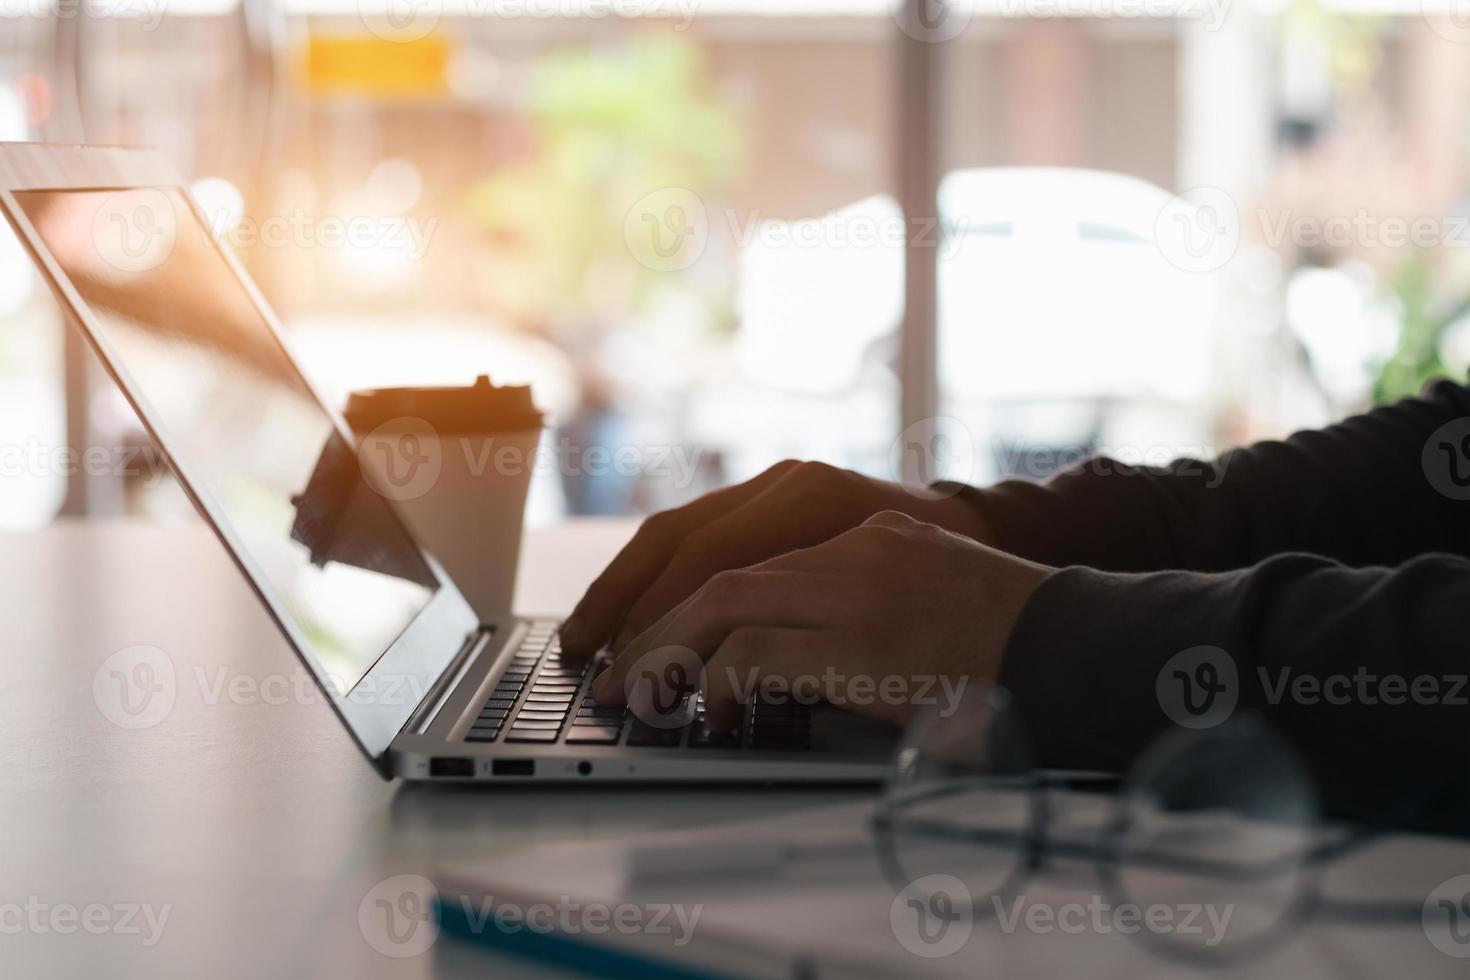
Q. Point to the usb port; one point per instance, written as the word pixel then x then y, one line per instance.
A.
pixel 513 767
pixel 452 767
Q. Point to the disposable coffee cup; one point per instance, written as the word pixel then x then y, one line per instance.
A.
pixel 457 463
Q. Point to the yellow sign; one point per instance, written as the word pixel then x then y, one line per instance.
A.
pixel 371 66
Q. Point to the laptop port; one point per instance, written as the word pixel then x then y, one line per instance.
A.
pixel 452 767
pixel 513 767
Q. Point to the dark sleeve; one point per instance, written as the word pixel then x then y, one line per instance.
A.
pixel 1363 670
pixel 1357 492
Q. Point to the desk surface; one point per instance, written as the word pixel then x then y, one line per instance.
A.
pixel 245 815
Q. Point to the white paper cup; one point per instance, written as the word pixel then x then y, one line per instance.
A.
pixel 461 491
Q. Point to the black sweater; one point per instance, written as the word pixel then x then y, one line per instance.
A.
pixel 1341 556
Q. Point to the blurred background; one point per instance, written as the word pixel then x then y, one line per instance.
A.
pixel 724 232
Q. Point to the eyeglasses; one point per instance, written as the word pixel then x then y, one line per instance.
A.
pixel 1217 827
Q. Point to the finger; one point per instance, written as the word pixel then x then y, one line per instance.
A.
pixel 774 593
pixel 728 601
pixel 639 563
pixel 755 659
pixel 787 515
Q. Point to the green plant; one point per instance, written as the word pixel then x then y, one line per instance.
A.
pixel 1417 358
pixel 609 125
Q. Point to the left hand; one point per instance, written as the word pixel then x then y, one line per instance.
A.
pixel 870 619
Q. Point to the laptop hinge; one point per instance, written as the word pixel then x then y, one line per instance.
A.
pixel 449 678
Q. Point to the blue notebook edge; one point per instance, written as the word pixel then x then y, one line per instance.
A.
pixel 559 949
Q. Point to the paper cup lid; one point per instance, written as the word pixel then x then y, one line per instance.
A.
pixel 482 407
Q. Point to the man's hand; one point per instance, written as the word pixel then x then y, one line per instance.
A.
pixel 791 505
pixel 876 616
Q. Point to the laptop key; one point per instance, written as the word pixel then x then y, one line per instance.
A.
pixel 704 737
pixel 529 735
pixel 592 735
pixel 493 714
pixel 500 703
pixel 616 723
pixel 534 724
pixel 646 735
pixel 531 715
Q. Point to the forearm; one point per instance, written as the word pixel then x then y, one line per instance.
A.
pixel 1356 492
pixel 1362 670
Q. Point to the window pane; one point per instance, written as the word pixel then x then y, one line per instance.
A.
pixel 1083 311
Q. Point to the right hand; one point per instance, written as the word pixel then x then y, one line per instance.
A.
pixel 791 505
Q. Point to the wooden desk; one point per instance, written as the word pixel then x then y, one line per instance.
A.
pixel 246 814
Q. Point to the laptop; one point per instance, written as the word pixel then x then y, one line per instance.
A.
pixel 426 689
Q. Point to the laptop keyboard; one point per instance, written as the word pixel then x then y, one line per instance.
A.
pixel 541 699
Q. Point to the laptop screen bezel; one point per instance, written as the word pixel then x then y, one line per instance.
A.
pixel 386 697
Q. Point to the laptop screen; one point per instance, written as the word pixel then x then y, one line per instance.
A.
pixel 235 413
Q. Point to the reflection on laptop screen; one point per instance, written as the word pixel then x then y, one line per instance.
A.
pixel 233 410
